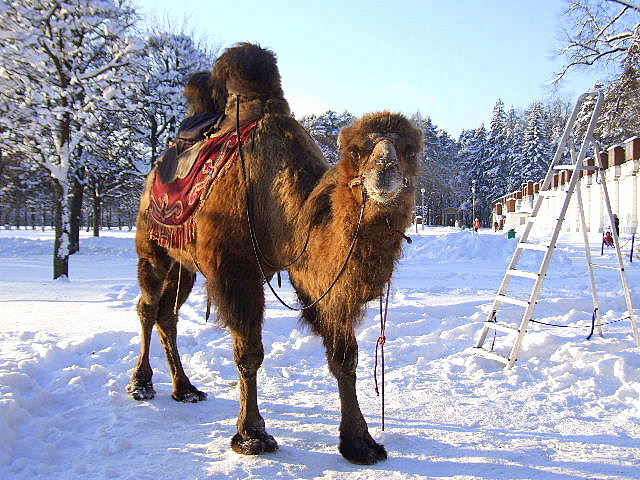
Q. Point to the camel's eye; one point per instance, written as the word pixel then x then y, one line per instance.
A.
pixel 354 153
pixel 411 152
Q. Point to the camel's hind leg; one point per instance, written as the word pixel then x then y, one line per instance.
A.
pixel 158 284
pixel 239 297
pixel 151 276
pixel 179 283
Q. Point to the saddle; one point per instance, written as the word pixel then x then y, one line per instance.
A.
pixel 173 205
pixel 178 159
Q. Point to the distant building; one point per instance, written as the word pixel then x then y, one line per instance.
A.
pixel 621 164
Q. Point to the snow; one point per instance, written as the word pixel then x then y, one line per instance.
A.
pixel 569 410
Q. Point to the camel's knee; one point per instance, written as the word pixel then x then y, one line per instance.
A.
pixel 343 361
pixel 147 311
pixel 151 275
pixel 248 355
pixel 248 363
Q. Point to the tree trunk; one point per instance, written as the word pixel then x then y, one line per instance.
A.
pixel 61 225
pixel 75 211
pixel 95 199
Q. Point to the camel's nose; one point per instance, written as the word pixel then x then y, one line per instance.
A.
pixel 384 154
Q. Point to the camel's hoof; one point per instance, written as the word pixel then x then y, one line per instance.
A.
pixel 363 451
pixel 265 443
pixel 141 391
pixel 190 395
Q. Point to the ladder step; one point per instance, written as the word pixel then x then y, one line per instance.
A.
pixel 522 273
pixel 501 327
pixel 512 300
pixel 552 193
pixel 491 355
pixel 604 266
pixel 573 167
pixel 533 246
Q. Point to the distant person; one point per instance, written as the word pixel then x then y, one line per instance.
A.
pixel 496 225
pixel 476 225
pixel 608 239
pixel 616 225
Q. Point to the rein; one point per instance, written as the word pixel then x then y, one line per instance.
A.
pixel 380 342
pixel 254 239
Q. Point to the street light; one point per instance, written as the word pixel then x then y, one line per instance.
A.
pixel 473 201
pixel 422 207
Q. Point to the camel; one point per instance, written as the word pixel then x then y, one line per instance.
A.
pixel 307 218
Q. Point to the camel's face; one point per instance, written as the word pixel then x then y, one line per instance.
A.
pixel 385 171
pixel 380 150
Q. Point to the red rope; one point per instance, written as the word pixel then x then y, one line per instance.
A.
pixel 381 341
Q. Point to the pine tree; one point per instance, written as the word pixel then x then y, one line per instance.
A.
pixel 536 154
pixel 497 160
pixel 473 150
pixel 325 128
pixel 515 133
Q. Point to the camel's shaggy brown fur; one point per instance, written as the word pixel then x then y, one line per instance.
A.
pixel 197 92
pixel 293 193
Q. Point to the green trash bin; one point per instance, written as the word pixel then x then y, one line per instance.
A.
pixel 511 233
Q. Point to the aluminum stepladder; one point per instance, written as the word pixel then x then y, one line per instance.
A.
pixel 575 168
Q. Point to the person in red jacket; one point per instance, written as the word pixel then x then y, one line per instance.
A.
pixel 476 225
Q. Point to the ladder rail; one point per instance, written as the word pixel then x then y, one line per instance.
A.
pixel 577 167
pixel 587 251
pixel 616 244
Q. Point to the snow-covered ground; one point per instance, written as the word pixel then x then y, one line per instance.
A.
pixel 570 409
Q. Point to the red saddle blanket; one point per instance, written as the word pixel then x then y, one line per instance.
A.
pixel 174 205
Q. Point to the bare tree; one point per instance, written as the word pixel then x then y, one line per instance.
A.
pixel 603 32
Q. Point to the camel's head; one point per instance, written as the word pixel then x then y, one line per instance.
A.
pixel 381 150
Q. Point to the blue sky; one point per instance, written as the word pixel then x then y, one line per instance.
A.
pixel 450 60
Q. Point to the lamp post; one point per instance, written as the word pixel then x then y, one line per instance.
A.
pixel 422 207
pixel 473 201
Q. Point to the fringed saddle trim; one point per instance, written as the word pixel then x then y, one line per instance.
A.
pixel 173 206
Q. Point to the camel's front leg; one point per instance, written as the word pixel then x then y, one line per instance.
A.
pixel 237 290
pixel 252 437
pixel 356 444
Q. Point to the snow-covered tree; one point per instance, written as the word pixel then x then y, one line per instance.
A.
pixel 536 151
pixel 325 128
pixel 473 152
pixel 496 161
pixel 62 62
pixel 601 33
pixel 169 59
pixel 604 36
pixel 514 140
